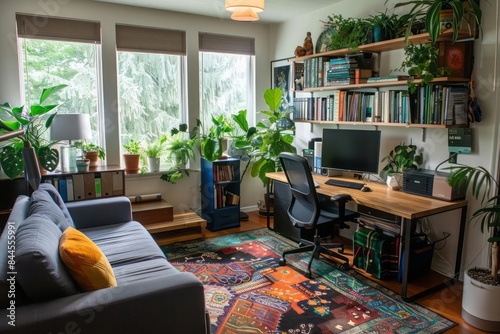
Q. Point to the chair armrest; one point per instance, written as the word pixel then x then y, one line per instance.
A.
pixel 341 198
pixel 99 212
pixel 173 303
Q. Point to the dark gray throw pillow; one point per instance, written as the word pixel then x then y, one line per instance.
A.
pixel 43 204
pixel 52 191
pixel 40 271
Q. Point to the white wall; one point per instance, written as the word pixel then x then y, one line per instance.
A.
pixel 286 36
pixel 109 15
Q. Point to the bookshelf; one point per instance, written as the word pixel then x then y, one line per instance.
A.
pixel 338 89
pixel 220 193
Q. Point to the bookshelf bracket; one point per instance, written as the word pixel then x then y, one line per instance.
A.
pixel 422 134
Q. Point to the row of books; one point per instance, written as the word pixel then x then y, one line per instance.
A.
pixel 324 71
pixel 78 187
pixel 430 104
pixel 223 173
pixel 224 197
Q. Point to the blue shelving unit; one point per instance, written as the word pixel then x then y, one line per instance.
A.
pixel 220 193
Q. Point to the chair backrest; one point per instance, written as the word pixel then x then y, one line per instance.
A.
pixel 304 209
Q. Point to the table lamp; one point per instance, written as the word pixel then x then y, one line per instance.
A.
pixel 70 127
pixel 31 169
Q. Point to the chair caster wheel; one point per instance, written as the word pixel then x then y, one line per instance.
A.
pixel 309 275
pixel 282 262
pixel 344 266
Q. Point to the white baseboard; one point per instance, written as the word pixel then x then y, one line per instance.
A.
pixel 249 208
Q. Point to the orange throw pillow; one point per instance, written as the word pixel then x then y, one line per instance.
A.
pixel 85 261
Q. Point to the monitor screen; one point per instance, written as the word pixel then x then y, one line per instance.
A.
pixel 351 150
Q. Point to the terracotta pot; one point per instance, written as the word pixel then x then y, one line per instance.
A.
pixel 132 163
pixel 93 157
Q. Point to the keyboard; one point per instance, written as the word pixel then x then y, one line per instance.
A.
pixel 345 184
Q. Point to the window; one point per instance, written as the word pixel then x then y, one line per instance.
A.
pixel 226 75
pixel 58 51
pixel 151 78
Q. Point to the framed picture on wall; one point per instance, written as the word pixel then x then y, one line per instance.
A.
pixel 281 77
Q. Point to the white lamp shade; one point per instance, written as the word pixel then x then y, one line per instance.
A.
pixel 246 14
pixel 70 127
pixel 256 5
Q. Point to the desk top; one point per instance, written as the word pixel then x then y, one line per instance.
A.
pixel 383 198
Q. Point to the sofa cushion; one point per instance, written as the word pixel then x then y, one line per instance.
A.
pixel 85 261
pixel 40 271
pixel 56 197
pixel 125 243
pixel 43 204
pixel 144 270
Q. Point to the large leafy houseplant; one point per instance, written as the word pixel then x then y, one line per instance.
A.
pixel 429 11
pixel 482 183
pixel 34 120
pixel 347 32
pixel 270 137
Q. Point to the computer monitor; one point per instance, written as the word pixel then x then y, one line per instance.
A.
pixel 351 150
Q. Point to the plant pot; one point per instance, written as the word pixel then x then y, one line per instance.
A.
pixel 395 182
pixel 154 165
pixel 83 165
pixel 132 163
pixel 480 304
pixel 93 157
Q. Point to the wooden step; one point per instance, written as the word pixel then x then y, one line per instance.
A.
pixel 184 226
pixel 152 212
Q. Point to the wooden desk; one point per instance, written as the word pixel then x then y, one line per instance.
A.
pixel 407 206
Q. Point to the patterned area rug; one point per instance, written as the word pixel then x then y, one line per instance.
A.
pixel 247 291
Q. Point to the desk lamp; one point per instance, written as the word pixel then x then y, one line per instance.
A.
pixel 31 169
pixel 70 127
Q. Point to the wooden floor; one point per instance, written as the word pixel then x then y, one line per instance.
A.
pixel 447 302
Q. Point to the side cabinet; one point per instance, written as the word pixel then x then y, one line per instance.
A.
pixel 220 193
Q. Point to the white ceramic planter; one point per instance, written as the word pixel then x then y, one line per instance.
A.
pixel 480 305
pixel 154 164
pixel 395 182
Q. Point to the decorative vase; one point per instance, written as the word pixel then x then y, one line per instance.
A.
pixel 395 181
pixel 154 165
pixel 132 163
pixel 93 157
pixel 480 304
pixel 378 34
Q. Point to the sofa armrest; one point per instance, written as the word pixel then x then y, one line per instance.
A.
pixel 173 304
pixel 99 212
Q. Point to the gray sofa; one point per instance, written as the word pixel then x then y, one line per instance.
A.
pixel 150 297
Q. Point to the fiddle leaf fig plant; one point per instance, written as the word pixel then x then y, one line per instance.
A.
pixel 35 121
pixel 270 137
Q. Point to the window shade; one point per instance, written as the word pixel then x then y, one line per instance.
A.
pixel 142 39
pixel 226 44
pixel 45 27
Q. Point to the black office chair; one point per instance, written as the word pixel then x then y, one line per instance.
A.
pixel 306 211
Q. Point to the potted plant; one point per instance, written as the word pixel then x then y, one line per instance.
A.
pixel 212 142
pixel 383 26
pixel 421 62
pixel 482 285
pixel 34 120
pixel 440 15
pixel 92 152
pixel 154 151
pixel 180 152
pixel 348 32
pixel 400 158
pixel 132 157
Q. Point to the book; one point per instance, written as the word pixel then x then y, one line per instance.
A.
pixel 389 78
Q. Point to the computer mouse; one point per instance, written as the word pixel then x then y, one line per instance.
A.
pixel 365 189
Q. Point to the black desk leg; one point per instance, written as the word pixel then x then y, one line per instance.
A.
pixel 268 205
pixel 408 229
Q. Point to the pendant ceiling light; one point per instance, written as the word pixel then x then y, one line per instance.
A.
pixel 245 10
